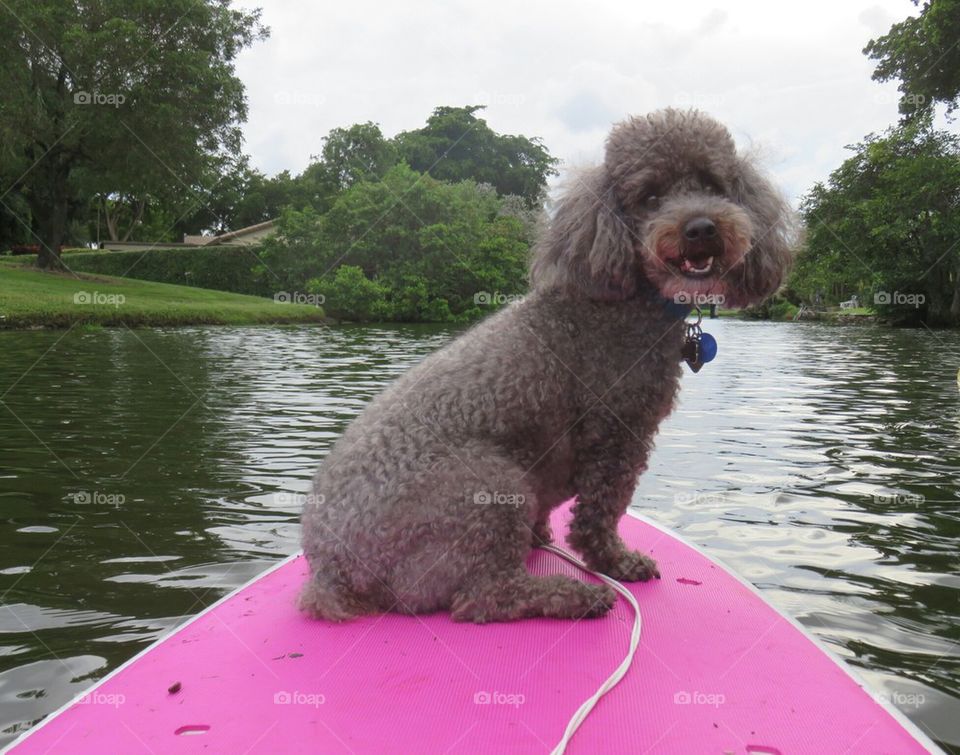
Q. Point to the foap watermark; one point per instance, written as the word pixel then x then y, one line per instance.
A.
pixel 901 700
pixel 495 298
pixel 899 298
pixel 95 697
pixel 482 697
pixel 299 297
pixel 698 299
pixel 497 498
pixel 698 498
pixel 900 499
pixel 98 98
pixel 98 297
pixel 485 97
pixel 888 98
pixel 97 498
pixel 684 697
pixel 289 500
pixel 287 97
pixel 311 500
pixel 299 698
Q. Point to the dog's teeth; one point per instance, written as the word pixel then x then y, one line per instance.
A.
pixel 689 267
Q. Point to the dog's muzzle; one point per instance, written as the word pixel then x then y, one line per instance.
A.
pixel 700 245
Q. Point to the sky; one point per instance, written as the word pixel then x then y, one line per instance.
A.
pixel 788 79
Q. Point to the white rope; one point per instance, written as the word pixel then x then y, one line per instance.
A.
pixel 588 705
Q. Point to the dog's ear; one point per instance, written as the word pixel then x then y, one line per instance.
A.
pixel 775 236
pixel 587 246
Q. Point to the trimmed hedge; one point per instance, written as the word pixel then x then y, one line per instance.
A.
pixel 222 268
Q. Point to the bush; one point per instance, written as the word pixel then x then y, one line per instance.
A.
pixel 221 268
pixel 350 295
pixel 777 307
pixel 416 249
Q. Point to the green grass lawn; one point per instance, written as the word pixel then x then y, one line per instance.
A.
pixel 29 297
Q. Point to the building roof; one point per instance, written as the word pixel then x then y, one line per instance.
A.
pixel 230 235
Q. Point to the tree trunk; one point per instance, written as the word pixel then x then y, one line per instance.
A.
pixel 137 215
pixel 109 218
pixel 955 304
pixel 51 213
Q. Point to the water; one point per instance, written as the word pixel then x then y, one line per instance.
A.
pixel 145 473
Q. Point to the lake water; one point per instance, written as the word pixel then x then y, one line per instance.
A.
pixel 145 473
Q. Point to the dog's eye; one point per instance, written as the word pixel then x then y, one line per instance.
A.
pixel 653 202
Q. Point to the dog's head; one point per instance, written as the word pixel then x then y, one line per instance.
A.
pixel 673 208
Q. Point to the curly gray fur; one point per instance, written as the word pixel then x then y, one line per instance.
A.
pixel 436 493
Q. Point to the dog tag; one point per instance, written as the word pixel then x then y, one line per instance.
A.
pixel 690 351
pixel 698 347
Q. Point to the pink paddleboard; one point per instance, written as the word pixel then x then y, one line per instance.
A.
pixel 718 671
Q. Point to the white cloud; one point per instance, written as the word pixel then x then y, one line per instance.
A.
pixel 788 79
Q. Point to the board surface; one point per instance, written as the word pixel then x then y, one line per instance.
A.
pixel 718 671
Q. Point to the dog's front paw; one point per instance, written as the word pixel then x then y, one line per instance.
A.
pixel 630 566
pixel 600 601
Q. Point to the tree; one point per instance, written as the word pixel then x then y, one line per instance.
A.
pixel 425 248
pixel 241 197
pixel 886 225
pixel 140 95
pixel 358 153
pixel 456 145
pixel 923 53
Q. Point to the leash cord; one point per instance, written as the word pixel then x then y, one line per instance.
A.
pixel 588 705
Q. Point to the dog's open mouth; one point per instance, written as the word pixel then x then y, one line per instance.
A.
pixel 696 268
pixel 699 267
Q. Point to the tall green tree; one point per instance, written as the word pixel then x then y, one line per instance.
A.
pixel 141 95
pixel 922 52
pixel 457 145
pixel 887 223
pixel 357 153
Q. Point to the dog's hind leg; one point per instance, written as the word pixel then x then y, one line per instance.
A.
pixel 325 598
pixel 483 512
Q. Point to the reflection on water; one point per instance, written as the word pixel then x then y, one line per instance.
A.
pixel 145 473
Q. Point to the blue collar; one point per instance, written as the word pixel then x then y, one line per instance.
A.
pixel 671 307
pixel 675 309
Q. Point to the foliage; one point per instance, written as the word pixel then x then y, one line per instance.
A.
pixel 358 153
pixel 216 267
pixel 111 98
pixel 456 145
pixel 778 307
pixel 350 295
pixel 885 226
pixel 241 197
pixel 922 52
pixel 429 247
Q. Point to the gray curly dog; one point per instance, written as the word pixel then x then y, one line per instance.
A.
pixel 435 494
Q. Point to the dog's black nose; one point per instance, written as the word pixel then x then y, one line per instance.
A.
pixel 699 229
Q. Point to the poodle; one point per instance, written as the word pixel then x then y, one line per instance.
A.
pixel 434 496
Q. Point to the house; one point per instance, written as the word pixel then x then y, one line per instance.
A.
pixel 249 236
